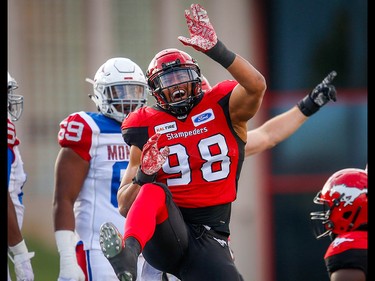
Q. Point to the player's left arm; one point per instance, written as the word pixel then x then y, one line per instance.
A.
pixel 247 96
pixel 274 131
pixel 70 172
pixel 282 126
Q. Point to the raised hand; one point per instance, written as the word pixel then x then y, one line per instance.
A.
pixel 324 92
pixel 202 34
pixel 319 96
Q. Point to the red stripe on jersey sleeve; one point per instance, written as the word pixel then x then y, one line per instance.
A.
pixel 76 134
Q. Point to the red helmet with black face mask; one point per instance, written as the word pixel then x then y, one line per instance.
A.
pixel 344 201
pixel 175 81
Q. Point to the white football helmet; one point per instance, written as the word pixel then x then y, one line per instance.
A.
pixel 120 87
pixel 15 102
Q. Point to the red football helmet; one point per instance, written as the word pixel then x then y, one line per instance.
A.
pixel 175 80
pixel 344 197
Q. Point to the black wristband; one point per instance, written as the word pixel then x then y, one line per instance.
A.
pixel 141 178
pixel 307 106
pixel 221 54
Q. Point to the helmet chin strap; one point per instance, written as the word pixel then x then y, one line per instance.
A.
pixel 180 109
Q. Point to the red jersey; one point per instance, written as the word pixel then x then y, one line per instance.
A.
pixel 348 250
pixel 206 155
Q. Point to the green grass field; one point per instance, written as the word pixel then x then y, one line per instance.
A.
pixel 45 263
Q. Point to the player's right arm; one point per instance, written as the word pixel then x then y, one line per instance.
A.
pixel 70 172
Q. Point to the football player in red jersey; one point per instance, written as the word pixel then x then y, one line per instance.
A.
pixel 344 218
pixel 18 251
pixel 88 170
pixel 185 160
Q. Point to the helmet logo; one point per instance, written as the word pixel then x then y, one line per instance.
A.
pixel 349 193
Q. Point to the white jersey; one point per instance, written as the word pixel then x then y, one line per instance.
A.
pixel 17 177
pixel 98 140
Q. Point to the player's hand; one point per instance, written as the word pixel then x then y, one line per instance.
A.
pixel 321 95
pixel 325 91
pixel 152 158
pixel 202 34
pixel 22 266
pixel 151 161
pixel 69 268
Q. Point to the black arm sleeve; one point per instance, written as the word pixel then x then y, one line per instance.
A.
pixel 136 136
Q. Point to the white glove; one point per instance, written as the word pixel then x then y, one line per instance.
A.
pixel 22 263
pixel 69 268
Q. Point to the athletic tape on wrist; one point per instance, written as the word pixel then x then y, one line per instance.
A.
pixel 65 240
pixel 221 54
pixel 307 106
pixel 19 249
pixel 141 178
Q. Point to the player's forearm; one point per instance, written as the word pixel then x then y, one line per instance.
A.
pixel 126 196
pixel 63 216
pixel 274 131
pixel 14 232
pixel 282 126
